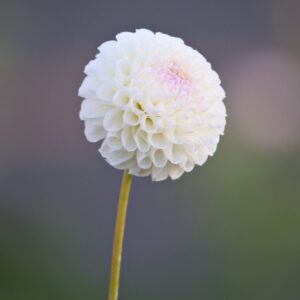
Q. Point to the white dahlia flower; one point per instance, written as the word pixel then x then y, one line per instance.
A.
pixel 155 102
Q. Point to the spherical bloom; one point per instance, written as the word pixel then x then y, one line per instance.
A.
pixel 155 102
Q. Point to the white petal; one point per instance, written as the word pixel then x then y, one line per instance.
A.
pixel 137 171
pixel 136 105
pixel 217 122
pixel 92 68
pixel 158 158
pixel 118 157
pixel 114 142
pixel 94 133
pixel 175 172
pixel 176 154
pixel 91 109
pixel 121 98
pixel 128 164
pixel 128 140
pixel 106 92
pixel 211 148
pixel 88 88
pixel 175 136
pixel 124 36
pixel 144 172
pixel 113 120
pixel 107 46
pixel 159 141
pixel 131 118
pixel 145 33
pixel 125 66
pixel 148 124
pixel 187 166
pixel 141 141
pixel 143 160
pixel 105 149
pixel 159 174
pixel 200 156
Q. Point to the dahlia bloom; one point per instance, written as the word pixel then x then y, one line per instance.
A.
pixel 155 102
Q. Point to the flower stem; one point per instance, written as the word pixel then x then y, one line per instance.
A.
pixel 119 236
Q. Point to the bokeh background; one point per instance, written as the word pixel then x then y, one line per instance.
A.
pixel 229 230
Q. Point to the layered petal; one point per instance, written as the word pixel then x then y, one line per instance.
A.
pixel 156 103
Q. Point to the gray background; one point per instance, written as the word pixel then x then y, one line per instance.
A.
pixel 228 230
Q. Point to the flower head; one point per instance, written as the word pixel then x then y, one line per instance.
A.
pixel 155 102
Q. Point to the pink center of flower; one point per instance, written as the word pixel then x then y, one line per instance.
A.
pixel 173 76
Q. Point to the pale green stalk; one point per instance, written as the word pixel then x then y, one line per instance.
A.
pixel 119 236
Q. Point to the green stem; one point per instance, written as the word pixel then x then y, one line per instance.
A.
pixel 119 236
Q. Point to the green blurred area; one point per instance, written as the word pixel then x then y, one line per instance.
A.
pixel 258 208
pixel 251 228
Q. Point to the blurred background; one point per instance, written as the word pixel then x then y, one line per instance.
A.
pixel 229 230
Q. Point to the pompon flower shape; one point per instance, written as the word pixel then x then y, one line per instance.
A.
pixel 155 102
